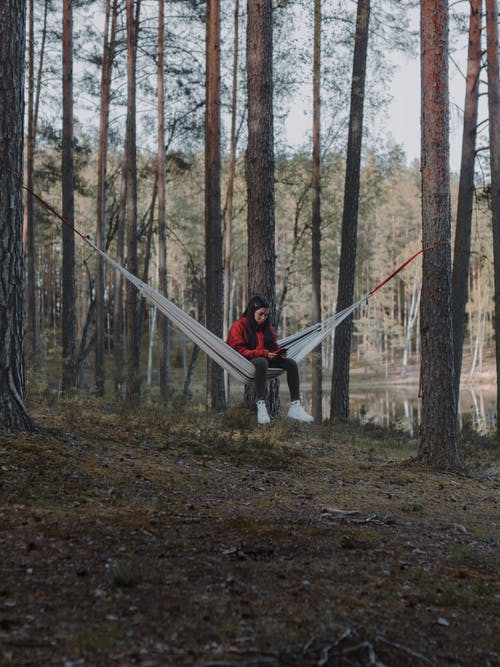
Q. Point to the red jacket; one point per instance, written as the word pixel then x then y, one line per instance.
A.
pixel 237 338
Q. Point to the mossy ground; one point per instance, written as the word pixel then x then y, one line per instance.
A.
pixel 191 539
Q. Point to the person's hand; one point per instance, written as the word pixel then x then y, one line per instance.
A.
pixel 271 355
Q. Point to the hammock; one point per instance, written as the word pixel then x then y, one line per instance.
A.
pixel 298 345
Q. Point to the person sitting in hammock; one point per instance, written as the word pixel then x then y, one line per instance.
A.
pixel 254 337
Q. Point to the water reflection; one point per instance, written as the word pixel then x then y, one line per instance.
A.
pixel 400 407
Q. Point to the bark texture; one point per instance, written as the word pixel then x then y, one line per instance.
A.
pixel 438 444
pixel 13 413
pixel 260 152
pixel 260 164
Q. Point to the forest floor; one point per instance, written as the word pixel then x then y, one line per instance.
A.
pixel 193 539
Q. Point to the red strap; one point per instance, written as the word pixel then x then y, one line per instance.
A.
pixel 53 210
pixel 400 268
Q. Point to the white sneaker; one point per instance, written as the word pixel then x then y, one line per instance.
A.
pixel 262 414
pixel 296 411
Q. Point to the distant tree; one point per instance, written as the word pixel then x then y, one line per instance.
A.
pixel 34 87
pixel 69 366
pixel 111 14
pixel 260 157
pixel 343 335
pixel 31 322
pixel 162 209
pixel 214 300
pixel 492 47
pixel 230 179
pixel 132 310
pixel 438 444
pixel 13 413
pixel 118 304
pixel 317 364
pixel 461 255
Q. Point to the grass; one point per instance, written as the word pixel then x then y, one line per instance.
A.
pixel 189 538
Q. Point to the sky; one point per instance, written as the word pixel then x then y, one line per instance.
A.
pixel 404 110
pixel 402 115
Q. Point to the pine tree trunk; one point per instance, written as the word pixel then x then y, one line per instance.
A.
pixel 31 322
pixel 13 413
pixel 260 164
pixel 214 300
pixel 118 309
pixel 343 334
pixel 461 255
pixel 228 315
pixel 132 310
pixel 163 329
pixel 438 444
pixel 317 365
pixel 106 72
pixel 494 135
pixel 69 379
pixel 35 313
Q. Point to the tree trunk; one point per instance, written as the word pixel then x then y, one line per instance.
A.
pixel 260 152
pixel 163 328
pixel 228 315
pixel 438 444
pixel 106 72
pixel 31 329
pixel 316 357
pixel 260 162
pixel 461 255
pixel 34 314
pixel 343 334
pixel 494 135
pixel 132 310
pixel 69 379
pixel 214 301
pixel 13 413
pixel 147 256
pixel 118 310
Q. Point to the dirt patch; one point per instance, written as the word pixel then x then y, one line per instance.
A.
pixel 201 540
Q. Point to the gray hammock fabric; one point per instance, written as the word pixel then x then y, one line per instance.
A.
pixel 299 344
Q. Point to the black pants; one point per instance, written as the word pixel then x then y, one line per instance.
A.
pixel 292 376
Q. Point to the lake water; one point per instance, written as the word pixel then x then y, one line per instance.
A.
pixel 396 406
